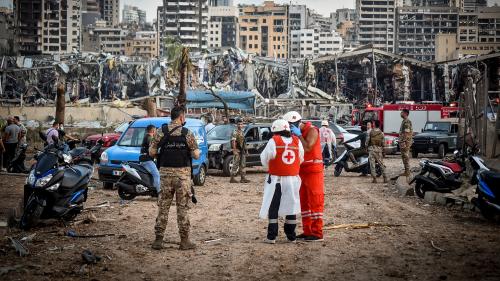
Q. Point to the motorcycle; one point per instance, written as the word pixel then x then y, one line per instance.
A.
pixel 17 164
pixel 363 167
pixel 55 188
pixel 488 189
pixel 79 155
pixel 137 181
pixel 439 176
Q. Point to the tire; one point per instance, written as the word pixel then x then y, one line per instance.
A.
pixel 338 170
pixel 420 189
pixel 31 214
pixel 199 179
pixel 107 185
pixel 125 196
pixel 414 154
pixel 442 150
pixel 227 165
pixel 487 211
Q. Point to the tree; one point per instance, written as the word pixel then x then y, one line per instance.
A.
pixel 60 103
pixel 150 106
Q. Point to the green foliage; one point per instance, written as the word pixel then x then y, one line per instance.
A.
pixel 174 53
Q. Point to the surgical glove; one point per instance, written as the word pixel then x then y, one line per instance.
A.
pixel 296 131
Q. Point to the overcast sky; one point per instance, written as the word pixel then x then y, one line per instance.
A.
pixel 324 7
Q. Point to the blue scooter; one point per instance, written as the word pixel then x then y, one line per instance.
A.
pixel 488 188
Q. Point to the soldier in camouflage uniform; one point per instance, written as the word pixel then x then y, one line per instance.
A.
pixel 375 144
pixel 405 140
pixel 239 153
pixel 175 147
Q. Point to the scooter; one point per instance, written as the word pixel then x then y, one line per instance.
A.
pixel 341 163
pixel 438 176
pixel 17 164
pixel 135 181
pixel 55 187
pixel 488 188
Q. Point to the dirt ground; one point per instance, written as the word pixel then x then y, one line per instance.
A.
pixel 465 247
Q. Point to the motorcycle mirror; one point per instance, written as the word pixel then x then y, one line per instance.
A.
pixel 456 153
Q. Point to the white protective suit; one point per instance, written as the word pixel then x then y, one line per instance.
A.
pixel 290 185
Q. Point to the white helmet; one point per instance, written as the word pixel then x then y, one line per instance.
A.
pixel 280 125
pixel 324 123
pixel 292 117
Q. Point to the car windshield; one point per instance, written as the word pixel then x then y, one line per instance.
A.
pixel 121 128
pixel 222 132
pixel 437 127
pixel 133 137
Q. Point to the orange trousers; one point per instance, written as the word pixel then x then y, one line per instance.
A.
pixel 312 203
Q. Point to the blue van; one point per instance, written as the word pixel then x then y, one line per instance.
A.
pixel 128 147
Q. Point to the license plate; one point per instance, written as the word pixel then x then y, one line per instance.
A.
pixel 117 173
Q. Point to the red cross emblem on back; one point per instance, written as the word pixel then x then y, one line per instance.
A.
pixel 288 157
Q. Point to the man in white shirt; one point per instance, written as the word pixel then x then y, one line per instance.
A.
pixel 328 140
pixel 282 157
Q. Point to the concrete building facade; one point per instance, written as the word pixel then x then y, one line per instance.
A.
pixel 90 12
pixel 132 14
pixel 342 15
pixel 110 12
pixel 144 44
pixel 183 22
pixel 28 19
pixel 264 29
pixel 101 38
pixel 376 23
pixel 222 26
pixel 311 43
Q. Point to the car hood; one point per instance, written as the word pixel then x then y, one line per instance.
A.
pixel 103 136
pixel 429 135
pixel 123 153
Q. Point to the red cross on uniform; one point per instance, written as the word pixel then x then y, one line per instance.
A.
pixel 288 157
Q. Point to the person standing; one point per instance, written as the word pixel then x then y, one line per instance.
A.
pixel 238 147
pixel 282 157
pixel 175 147
pixel 2 151
pixel 327 139
pixel 22 130
pixel 210 125
pixel 405 140
pixel 147 161
pixel 52 132
pixel 375 143
pixel 11 137
pixel 312 193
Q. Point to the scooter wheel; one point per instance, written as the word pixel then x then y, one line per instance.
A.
pixel 31 214
pixel 487 211
pixel 338 170
pixel 124 195
pixel 420 189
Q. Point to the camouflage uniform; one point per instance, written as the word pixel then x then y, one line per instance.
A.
pixel 375 143
pixel 405 142
pixel 175 181
pixel 239 160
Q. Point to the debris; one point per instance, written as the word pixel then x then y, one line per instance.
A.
pixel 7 269
pixel 20 248
pixel 28 238
pixel 102 205
pixel 53 249
pixel 89 257
pixel 436 247
pixel 213 240
pixel 362 225
pixel 3 224
pixel 72 233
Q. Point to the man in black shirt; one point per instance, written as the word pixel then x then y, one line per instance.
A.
pixel 146 160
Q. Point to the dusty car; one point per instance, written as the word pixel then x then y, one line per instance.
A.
pixel 391 142
pixel 436 137
pixel 220 155
pixel 109 139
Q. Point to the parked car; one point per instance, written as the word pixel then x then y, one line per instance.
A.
pixel 220 154
pixel 128 148
pixel 340 133
pixel 436 137
pixel 108 139
pixel 391 142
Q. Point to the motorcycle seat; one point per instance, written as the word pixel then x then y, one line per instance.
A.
pixel 455 167
pixel 139 167
pixel 78 151
pixel 492 179
pixel 74 174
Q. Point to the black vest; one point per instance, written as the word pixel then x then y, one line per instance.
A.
pixel 174 151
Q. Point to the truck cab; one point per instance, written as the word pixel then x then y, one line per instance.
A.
pixel 436 137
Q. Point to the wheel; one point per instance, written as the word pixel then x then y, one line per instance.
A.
pixel 420 189
pixel 124 195
pixel 442 151
pixel 107 185
pixel 199 179
pixel 414 154
pixel 338 170
pixel 31 214
pixel 485 209
pixel 228 165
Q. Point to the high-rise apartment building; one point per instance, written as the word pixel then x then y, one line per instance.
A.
pixel 185 20
pixel 215 3
pixel 418 26
pixel 311 43
pixel 102 38
pixel 341 16
pixel 28 19
pixel 264 29
pixel 376 23
pixel 90 12
pixel 132 14
pixel 298 17
pixel 110 11
pixel 472 5
pixel 143 44
pixel 222 26
pixel 316 21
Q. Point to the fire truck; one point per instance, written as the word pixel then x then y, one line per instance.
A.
pixel 389 115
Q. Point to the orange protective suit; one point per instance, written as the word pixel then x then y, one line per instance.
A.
pixel 312 193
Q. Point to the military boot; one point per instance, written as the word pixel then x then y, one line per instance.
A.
pixel 374 180
pixel 158 243
pixel 186 244
pixel 233 180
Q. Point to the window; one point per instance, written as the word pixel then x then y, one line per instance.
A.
pixel 250 37
pixel 265 133
pixel 252 135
